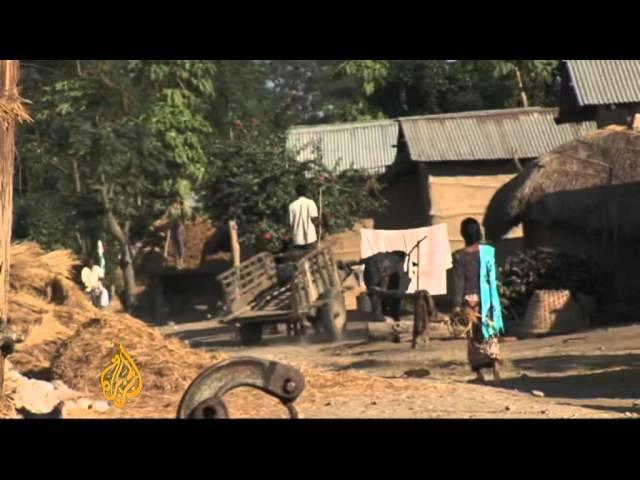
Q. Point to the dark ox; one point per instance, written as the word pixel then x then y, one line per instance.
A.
pixel 386 271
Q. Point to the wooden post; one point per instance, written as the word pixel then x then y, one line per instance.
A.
pixel 418 268
pixel 235 244
pixel 523 94
pixel 11 111
pixel 516 160
pixel 166 244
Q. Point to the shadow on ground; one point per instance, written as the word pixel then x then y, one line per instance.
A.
pixel 364 364
pixel 564 363
pixel 610 408
pixel 224 337
pixel 603 376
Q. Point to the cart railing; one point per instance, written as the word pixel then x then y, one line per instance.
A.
pixel 315 274
pixel 242 284
pixel 254 284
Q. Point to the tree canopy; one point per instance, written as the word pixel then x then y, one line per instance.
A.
pixel 114 140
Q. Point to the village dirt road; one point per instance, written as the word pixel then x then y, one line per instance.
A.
pixel 594 374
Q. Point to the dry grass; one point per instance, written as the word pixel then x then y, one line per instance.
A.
pixel 64 333
pixel 7 409
pixel 41 285
pixel 197 233
pixel 166 365
pixel 12 108
pixel 45 306
pixel 33 269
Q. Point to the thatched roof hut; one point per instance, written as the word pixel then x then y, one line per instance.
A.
pixel 591 185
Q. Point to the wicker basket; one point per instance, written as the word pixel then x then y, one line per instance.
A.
pixel 552 312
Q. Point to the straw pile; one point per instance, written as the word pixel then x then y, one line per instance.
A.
pixel 44 300
pixel 166 365
pixel 12 109
pixel 31 266
pixel 6 409
pixel 67 338
pixel 196 234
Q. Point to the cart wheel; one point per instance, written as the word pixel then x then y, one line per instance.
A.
pixel 250 334
pixel 332 316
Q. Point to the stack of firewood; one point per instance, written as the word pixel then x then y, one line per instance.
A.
pixel 533 270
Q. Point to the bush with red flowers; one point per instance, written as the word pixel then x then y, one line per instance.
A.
pixel 254 179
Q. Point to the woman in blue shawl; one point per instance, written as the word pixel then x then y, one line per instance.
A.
pixel 475 295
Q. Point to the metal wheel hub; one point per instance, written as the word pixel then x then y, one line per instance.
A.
pixel 203 399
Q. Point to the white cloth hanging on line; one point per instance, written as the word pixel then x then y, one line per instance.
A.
pixel 433 254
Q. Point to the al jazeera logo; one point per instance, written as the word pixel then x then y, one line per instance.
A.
pixel 121 380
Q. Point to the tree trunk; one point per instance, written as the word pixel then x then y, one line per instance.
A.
pixel 126 261
pixel 76 176
pixel 83 241
pixel 126 264
pixel 523 94
pixel 126 254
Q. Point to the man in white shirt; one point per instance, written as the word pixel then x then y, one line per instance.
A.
pixel 303 218
pixel 92 276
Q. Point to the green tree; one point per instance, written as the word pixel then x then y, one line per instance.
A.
pixel 366 76
pixel 418 87
pixel 118 136
pixel 258 183
pixel 321 91
pixel 533 79
pixel 242 93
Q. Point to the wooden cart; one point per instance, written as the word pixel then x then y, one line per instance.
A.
pixel 258 292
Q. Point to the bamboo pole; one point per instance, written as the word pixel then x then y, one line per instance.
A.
pixel 235 243
pixel 9 106
pixel 523 93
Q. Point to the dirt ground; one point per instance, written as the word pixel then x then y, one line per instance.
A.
pixel 593 374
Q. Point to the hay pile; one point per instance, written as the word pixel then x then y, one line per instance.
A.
pixel 197 233
pixel 166 365
pixel 68 339
pixel 39 281
pixel 44 299
pixel 34 269
pixel 7 408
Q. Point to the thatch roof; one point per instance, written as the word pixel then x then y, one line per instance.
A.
pixel 591 184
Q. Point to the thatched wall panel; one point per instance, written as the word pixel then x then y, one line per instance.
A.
pixel 586 183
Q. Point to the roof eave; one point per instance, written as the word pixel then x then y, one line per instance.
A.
pixel 573 84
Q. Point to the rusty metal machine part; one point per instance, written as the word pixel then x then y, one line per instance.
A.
pixel 203 398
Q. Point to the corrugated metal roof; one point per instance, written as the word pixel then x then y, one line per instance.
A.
pixel 488 135
pixel 366 145
pixel 601 82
